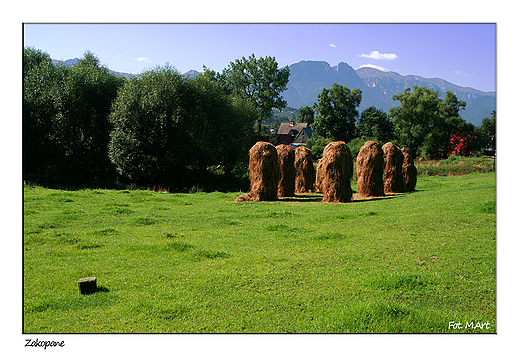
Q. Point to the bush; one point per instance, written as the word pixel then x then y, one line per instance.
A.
pixel 356 144
pixel 317 144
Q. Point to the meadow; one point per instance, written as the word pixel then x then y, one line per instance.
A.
pixel 201 263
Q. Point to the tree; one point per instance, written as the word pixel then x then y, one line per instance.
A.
pixel 336 112
pixel 486 132
pixel 41 97
pixel 81 127
pixel 147 145
pixel 305 115
pixel 222 130
pixel 415 117
pixel 169 130
pixel 260 81
pixel 450 124
pixel 317 144
pixel 374 123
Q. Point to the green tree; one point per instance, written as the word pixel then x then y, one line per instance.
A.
pixel 169 130
pixel 417 114
pixel 65 119
pixel 336 112
pixel 374 123
pixel 41 97
pixel 317 144
pixel 487 132
pixel 305 115
pixel 221 132
pixel 259 80
pixel 147 143
pixel 449 123
pixel 81 126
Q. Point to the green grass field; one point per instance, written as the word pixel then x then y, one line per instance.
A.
pixel 200 263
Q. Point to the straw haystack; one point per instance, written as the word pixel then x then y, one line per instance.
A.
pixel 287 170
pixel 264 173
pixel 334 173
pixel 305 173
pixel 393 173
pixel 409 172
pixel 370 166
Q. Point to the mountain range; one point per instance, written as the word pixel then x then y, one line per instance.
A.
pixel 308 78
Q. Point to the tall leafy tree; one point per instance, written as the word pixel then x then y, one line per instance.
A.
pixel 81 126
pixel 260 81
pixel 415 117
pixel 336 112
pixel 41 99
pixel 148 144
pixel 169 130
pixel 374 123
pixel 487 132
pixel 305 115
pixel 450 123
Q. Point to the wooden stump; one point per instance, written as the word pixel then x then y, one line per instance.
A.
pixel 87 285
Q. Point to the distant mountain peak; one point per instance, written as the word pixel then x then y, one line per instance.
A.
pixel 68 61
pixel 191 73
pixel 308 78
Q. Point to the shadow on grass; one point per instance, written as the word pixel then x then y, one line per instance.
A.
pixel 308 197
pixel 99 289
pixel 387 196
pixel 318 197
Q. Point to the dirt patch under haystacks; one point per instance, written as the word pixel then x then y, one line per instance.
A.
pixel 334 173
pixel 370 166
pixel 264 173
pixel 305 173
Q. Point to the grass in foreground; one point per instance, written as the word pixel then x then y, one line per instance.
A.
pixel 200 262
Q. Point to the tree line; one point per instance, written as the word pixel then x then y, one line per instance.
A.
pixel 86 126
pixel 428 126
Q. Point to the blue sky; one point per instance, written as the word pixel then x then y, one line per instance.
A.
pixel 464 54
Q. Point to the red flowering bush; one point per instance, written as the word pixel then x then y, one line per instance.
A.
pixel 460 145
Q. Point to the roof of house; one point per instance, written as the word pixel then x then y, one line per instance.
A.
pixel 291 128
pixel 305 134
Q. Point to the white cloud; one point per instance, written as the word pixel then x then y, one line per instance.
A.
pixel 459 73
pixel 374 66
pixel 143 59
pixel 332 45
pixel 380 56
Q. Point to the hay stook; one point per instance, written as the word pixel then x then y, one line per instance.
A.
pixel 409 171
pixel 305 173
pixel 264 173
pixel 393 173
pixel 334 173
pixel 370 166
pixel 287 170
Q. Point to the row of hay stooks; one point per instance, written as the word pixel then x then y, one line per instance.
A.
pixel 282 171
